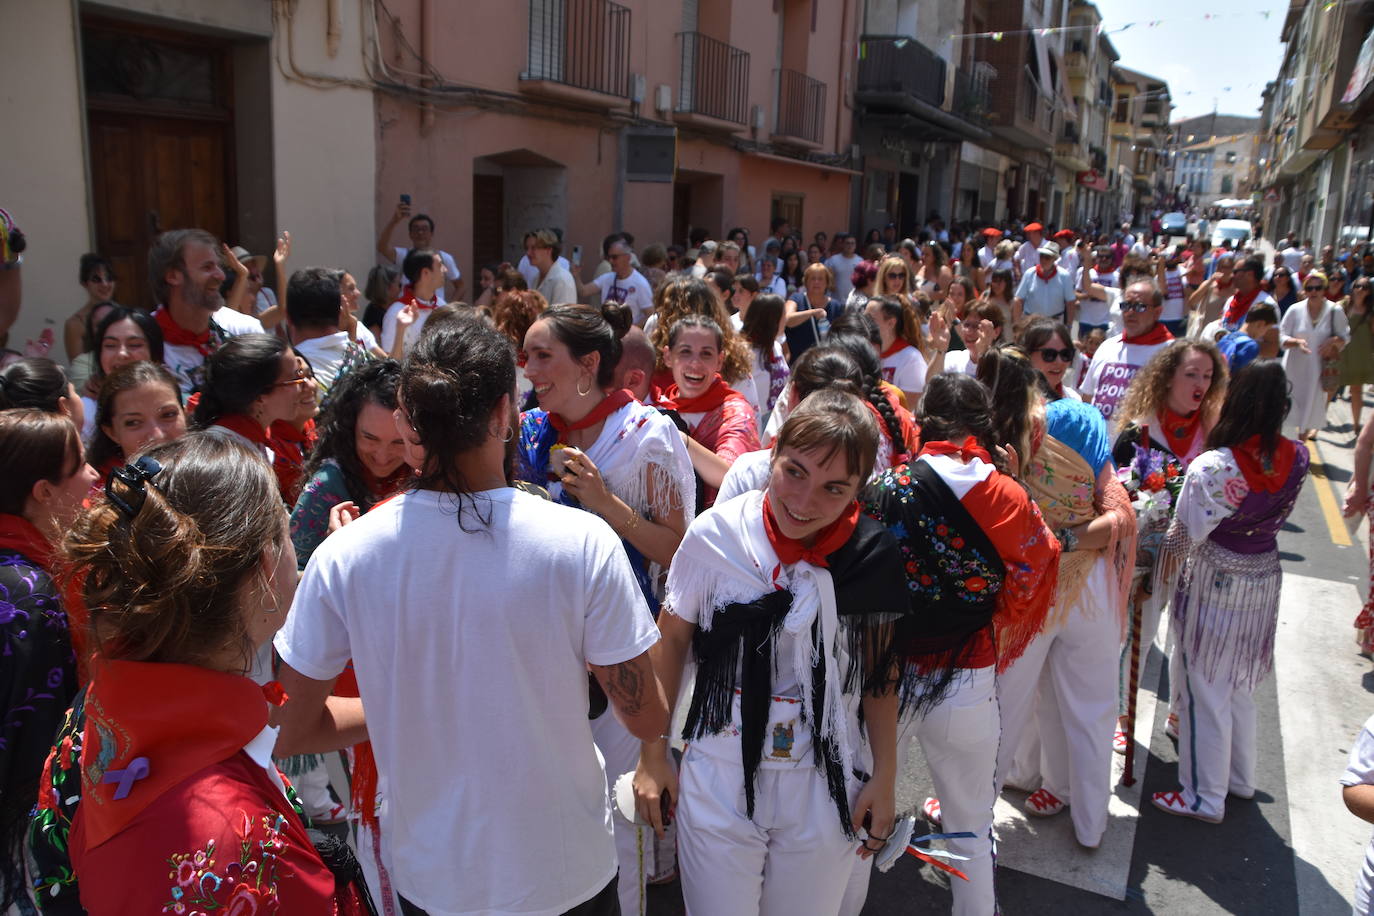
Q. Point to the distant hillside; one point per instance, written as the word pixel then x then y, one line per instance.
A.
pixel 1220 125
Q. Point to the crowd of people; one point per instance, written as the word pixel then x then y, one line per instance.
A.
pixel 687 554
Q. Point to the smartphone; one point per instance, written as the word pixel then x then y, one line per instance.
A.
pixel 405 199
pixel 577 254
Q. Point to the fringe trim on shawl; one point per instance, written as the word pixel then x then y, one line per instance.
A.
pixel 299 765
pixel 651 472
pixel 1226 609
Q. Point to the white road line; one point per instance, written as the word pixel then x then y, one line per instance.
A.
pixel 1322 705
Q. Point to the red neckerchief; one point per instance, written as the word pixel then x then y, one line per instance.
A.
pixel 246 427
pixel 383 487
pixel 1332 297
pixel 715 395
pixel 1223 286
pixel 289 447
pixel 828 540
pixel 1039 272
pixel 609 405
pixel 898 346
pixel 1302 277
pixel 408 298
pixel 1239 305
pixel 968 449
pixel 201 718
pixel 1264 472
pixel 1157 334
pixel 173 333
pixel 23 537
pixel 1179 431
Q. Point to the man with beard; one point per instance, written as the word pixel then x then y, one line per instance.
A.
pixel 185 271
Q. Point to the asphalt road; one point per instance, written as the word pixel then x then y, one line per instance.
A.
pixel 1293 849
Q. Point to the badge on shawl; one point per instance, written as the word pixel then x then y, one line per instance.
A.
pixel 782 741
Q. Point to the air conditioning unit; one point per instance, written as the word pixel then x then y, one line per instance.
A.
pixel 636 88
pixel 663 98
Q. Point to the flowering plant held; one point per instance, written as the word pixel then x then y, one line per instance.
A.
pixel 1153 479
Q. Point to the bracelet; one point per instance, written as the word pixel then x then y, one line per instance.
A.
pixel 633 520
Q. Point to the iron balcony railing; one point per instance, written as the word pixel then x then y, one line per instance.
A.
pixel 580 43
pixel 714 79
pixel 896 64
pixel 801 106
pixel 972 99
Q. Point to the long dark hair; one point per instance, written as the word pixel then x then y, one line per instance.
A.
pixel 125 378
pixel 1013 383
pixel 374 382
pixel 152 332
pixel 583 329
pixel 955 405
pixel 1257 403
pixel 450 384
pixel 237 374
pixel 762 322
pixel 861 350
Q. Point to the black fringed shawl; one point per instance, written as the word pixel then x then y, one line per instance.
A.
pixel 737 650
pixel 953 576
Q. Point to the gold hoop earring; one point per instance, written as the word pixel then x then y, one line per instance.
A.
pixel 580 392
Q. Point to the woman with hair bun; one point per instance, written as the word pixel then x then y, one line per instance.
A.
pixel 40 383
pixel 43 479
pixel 251 382
pixel 785 599
pixel 187 570
pixel 604 452
pixel 138 404
pixel 1224 543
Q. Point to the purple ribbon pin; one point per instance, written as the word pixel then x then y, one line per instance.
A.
pixel 136 770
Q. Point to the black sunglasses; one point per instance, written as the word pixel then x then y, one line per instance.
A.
pixel 1134 305
pixel 1050 354
pixel 1314 287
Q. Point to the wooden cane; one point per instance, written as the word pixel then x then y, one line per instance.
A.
pixel 1133 685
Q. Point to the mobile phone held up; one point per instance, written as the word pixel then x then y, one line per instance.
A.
pixel 577 255
pixel 405 199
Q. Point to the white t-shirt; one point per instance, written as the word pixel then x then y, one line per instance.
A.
pixel 1360 772
pixel 634 291
pixel 412 332
pixel 454 274
pixel 1027 257
pixel 1109 374
pixel 531 273
pixel 558 287
pixel 328 354
pixel 1100 311
pixel 477 699
pixel 843 269
pixel 960 361
pixel 906 369
pixel 187 363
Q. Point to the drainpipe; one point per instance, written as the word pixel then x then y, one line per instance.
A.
pixel 842 77
pixel 427 24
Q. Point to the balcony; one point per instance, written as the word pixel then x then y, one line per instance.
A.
pixel 972 100
pixel 1076 59
pixel 801 109
pixel 713 82
pixel 579 51
pixel 894 69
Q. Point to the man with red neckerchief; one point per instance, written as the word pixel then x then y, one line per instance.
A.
pixel 184 268
pixel 1249 293
pixel 424 272
pixel 1046 289
pixel 1121 357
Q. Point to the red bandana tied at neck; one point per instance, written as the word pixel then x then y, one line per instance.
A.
pixel 18 534
pixel 609 405
pixel 1239 306
pixel 898 346
pixel 828 540
pixel 175 334
pixel 1179 431
pixel 715 395
pixel 1044 274
pixel 246 427
pixel 1261 471
pixel 1156 335
pixel 408 298
pixel 968 449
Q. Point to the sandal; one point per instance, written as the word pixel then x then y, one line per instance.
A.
pixel 1171 726
pixel 1173 803
pixel 931 809
pixel 1043 803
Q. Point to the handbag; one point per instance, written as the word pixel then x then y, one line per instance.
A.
pixel 1331 365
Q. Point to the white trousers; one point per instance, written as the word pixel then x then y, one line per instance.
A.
pixel 959 739
pixel 1216 741
pixel 620 751
pixel 791 858
pixel 1072 665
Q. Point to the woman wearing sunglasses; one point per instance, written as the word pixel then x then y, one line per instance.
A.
pixel 1310 333
pixel 1357 359
pixel 1047 344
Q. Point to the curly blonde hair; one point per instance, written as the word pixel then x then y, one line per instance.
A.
pixel 682 296
pixel 1149 390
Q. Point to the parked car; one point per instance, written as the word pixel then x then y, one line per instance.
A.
pixel 1171 224
pixel 1238 231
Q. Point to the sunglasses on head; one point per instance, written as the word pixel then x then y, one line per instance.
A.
pixel 1050 354
pixel 1134 305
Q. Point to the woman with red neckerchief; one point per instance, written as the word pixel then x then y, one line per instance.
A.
pixel 980 570
pixel 720 422
pixel 904 364
pixel 605 452
pixel 1165 419
pixel 786 599
pixel 150 807
pixel 1223 549
pixel 251 382
pixel 45 478
pixel 293 438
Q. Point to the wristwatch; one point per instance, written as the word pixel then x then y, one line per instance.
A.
pixel 1068 541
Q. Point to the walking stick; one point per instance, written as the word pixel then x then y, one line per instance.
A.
pixel 1133 686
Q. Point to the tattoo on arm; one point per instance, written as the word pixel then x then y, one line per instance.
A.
pixel 626 685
